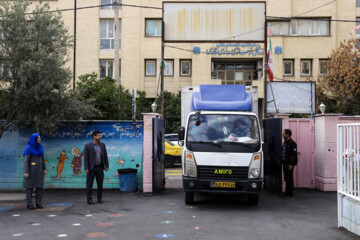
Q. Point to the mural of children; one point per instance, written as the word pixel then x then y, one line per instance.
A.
pixel 121 162
pixel 76 163
pixel 61 163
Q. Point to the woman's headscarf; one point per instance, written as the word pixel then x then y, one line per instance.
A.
pixel 33 148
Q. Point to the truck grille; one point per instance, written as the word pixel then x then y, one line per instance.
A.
pixel 214 172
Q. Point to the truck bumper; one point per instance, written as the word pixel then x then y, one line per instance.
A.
pixel 247 186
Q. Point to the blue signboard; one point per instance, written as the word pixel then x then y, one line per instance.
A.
pixel 248 49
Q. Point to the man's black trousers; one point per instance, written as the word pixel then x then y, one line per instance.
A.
pixel 98 173
pixel 289 179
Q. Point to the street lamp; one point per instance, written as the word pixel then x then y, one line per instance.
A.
pixel 322 108
pixel 154 107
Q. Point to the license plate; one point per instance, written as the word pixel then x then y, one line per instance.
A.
pixel 222 184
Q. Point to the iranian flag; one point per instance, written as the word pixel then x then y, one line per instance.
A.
pixel 270 62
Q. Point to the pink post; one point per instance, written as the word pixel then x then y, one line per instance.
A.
pixel 325 152
pixel 147 151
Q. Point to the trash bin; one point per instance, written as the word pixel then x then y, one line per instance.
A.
pixel 127 178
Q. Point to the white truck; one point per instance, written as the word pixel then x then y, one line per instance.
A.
pixel 221 141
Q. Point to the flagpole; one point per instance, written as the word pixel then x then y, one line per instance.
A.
pixel 272 92
pixel 270 57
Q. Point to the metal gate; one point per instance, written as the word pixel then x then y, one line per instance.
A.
pixel 272 150
pixel 303 134
pixel 158 154
pixel 348 176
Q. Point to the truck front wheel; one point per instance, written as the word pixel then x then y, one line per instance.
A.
pixel 253 199
pixel 189 198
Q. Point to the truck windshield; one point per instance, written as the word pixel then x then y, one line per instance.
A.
pixel 232 132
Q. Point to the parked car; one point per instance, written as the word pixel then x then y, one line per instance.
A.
pixel 172 154
pixel 173 138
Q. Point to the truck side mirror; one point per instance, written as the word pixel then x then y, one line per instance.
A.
pixel 181 133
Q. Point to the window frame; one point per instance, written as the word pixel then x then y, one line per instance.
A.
pixel 292 67
pixel 106 68
pixel 282 24
pixel 309 27
pixel 298 27
pixel 180 67
pixel 172 74
pixel 301 67
pixel 328 24
pixel 156 20
pixel 145 72
pixel 310 20
pixel 357 4
pixel 270 25
pixel 107 33
pixel 249 71
pixel 318 27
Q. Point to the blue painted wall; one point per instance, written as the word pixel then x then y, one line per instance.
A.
pixel 63 154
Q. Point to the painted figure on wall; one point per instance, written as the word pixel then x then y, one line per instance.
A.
pixel 76 163
pixel 121 162
pixel 61 164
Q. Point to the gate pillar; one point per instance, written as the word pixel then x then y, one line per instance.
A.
pixel 147 151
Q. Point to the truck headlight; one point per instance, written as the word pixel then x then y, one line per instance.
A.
pixel 190 164
pixel 255 166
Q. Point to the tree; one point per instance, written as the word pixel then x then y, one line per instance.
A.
pixel 172 111
pixel 112 101
pixel 33 77
pixel 339 88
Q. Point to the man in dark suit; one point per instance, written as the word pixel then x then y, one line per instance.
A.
pixel 95 161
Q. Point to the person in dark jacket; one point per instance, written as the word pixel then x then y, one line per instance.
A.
pixel 95 161
pixel 288 161
pixel 34 170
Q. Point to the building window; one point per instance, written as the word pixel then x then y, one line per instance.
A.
pixel 295 27
pixel 305 67
pixel 314 27
pixel 307 27
pixel 358 3
pixel 107 69
pixel 357 31
pixel 107 2
pixel 279 28
pixel 153 27
pixel 285 26
pixel 169 68
pixel 150 67
pixel 275 28
pixel 107 30
pixel 324 27
pixel 289 67
pixel 234 73
pixel 185 67
pixel 304 27
pixel 323 66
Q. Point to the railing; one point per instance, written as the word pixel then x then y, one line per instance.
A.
pixel 348 179
pixel 348 157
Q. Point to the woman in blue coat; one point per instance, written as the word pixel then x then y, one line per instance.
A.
pixel 34 170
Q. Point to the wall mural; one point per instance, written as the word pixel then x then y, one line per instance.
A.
pixel 64 154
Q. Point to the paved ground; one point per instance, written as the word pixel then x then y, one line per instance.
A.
pixel 173 177
pixel 312 215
